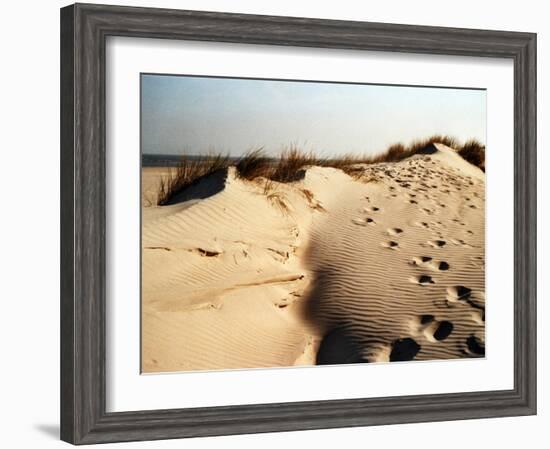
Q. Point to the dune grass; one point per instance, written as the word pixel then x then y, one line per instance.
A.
pixel 291 164
pixel 187 173
pixel 474 153
pixel 254 164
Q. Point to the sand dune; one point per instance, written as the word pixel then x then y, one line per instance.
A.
pixel 327 269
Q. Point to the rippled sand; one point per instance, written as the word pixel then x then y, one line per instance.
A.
pixel 324 270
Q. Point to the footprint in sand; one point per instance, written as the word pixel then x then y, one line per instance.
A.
pixel 459 242
pixel 431 328
pixel 422 279
pixel 443 330
pixel 422 224
pixel 371 209
pixel 363 221
pixel 428 261
pixel 404 349
pixel 458 293
pixel 437 243
pixel 478 316
pixel 463 295
pixel 394 231
pixel 390 244
pixel 420 260
pixel 475 346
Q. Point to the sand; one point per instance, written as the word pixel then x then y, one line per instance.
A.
pixel 325 270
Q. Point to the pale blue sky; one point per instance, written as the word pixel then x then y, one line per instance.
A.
pixel 195 115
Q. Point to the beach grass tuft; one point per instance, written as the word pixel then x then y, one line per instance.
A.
pixel 187 173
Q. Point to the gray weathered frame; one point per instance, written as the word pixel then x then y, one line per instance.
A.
pixel 84 29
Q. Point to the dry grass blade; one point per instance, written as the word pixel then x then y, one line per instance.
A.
pixel 312 202
pixel 278 200
pixel 269 187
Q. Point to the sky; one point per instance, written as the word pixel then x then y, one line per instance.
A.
pixel 200 115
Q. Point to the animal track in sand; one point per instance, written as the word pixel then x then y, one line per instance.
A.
pixel 437 243
pixel 390 244
pixel 394 231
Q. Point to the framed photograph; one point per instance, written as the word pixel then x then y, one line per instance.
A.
pixel 277 223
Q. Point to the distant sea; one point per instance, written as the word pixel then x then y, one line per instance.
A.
pixel 169 160
pixel 161 160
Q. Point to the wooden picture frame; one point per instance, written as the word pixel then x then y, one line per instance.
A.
pixel 84 29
